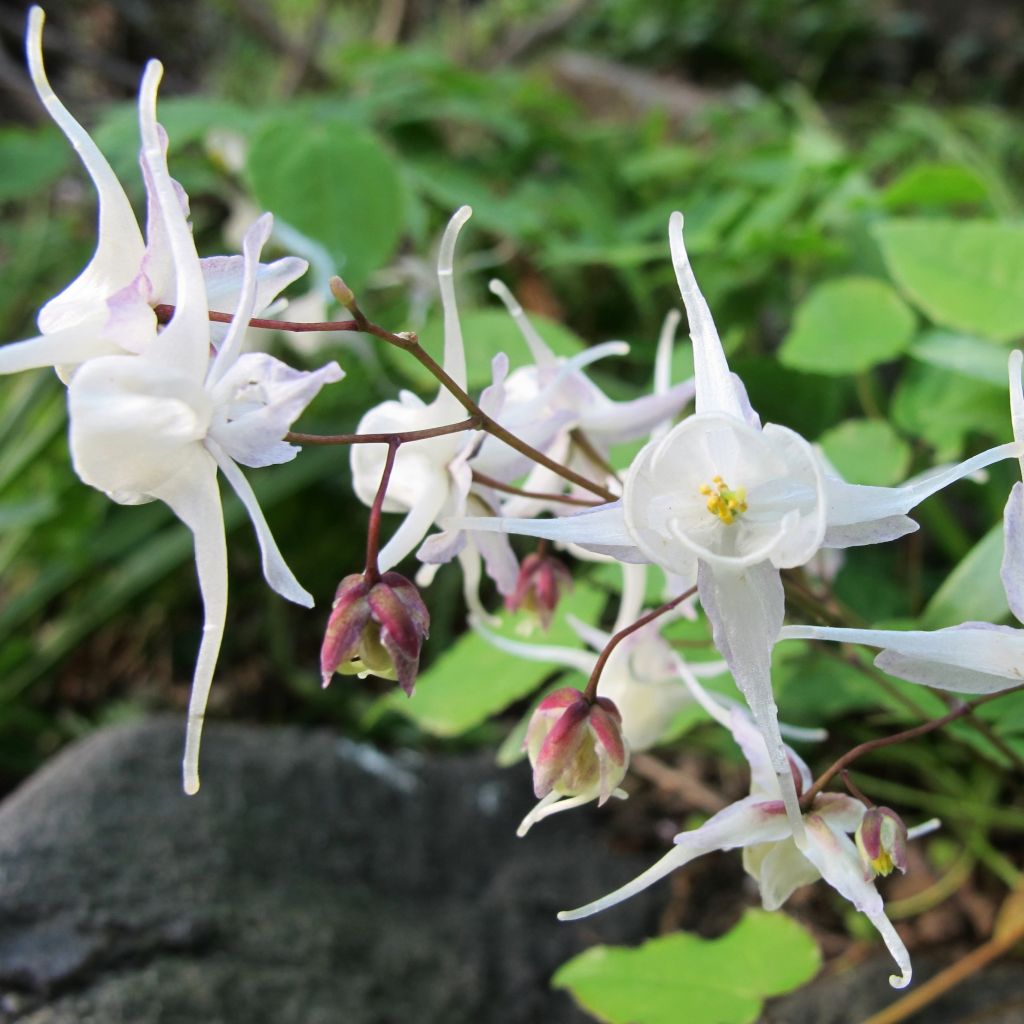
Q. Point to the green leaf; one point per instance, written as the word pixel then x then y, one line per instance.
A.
pixel 943 408
pixel 848 325
pixel 487 332
pixel 30 161
pixel 973 591
pixel 934 184
pixel 334 182
pixel 961 353
pixel 867 452
pixel 967 275
pixel 473 680
pixel 683 977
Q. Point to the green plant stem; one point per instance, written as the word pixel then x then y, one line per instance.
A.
pixel 497 485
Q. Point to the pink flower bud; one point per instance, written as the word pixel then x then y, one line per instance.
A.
pixel 882 841
pixel 576 747
pixel 375 629
pixel 542 581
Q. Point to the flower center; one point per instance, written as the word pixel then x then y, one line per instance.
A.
pixel 723 502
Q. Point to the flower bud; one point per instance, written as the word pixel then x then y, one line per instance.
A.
pixel 375 629
pixel 576 747
pixel 882 841
pixel 542 581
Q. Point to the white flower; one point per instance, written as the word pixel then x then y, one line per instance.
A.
pixel 158 425
pixel 726 502
pixel 108 308
pixel 759 825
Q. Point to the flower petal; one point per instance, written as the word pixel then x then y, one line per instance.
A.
pixel 746 611
pixel 194 497
pixel 420 517
pixel 716 391
pixel 275 570
pixel 836 857
pixel 119 247
pixel 68 346
pixel 1011 571
pixel 973 657
pixel 185 341
pixel 542 354
pixel 740 824
pixel 454 350
pixel 223 277
pixel 779 869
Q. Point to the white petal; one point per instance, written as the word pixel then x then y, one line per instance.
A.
pixel 454 350
pixel 223 277
pixel 194 498
pixel 715 389
pixel 974 657
pixel 626 421
pixel 835 856
pixel 252 245
pixel 858 503
pixel 133 424
pixel 1011 572
pixel 740 824
pixel 69 346
pixel 542 354
pixel 419 519
pixel 119 247
pixel 601 529
pixel 746 611
pixel 780 869
pixel 634 590
pixel 185 341
pixel 275 569
pixel 875 531
pixel 1015 363
pixel 566 657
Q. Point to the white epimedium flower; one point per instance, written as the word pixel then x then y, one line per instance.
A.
pixel 564 387
pixel 726 503
pixel 759 825
pixel 160 424
pixel 108 308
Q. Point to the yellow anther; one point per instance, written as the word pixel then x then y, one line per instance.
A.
pixel 722 502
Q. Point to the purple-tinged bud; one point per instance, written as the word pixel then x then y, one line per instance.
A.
pixel 576 747
pixel 882 841
pixel 542 581
pixel 375 629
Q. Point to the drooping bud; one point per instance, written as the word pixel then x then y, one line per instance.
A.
pixel 542 581
pixel 882 841
pixel 576 747
pixel 341 292
pixel 375 629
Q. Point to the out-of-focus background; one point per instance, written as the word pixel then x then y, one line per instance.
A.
pixel 787 131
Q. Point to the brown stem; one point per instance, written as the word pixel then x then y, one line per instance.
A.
pixel 409 343
pixel 470 423
pixel 886 741
pixel 591 691
pixel 854 790
pixel 164 312
pixel 373 530
pixel 497 485
pixel 589 449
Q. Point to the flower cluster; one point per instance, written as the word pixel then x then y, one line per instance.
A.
pixel 163 401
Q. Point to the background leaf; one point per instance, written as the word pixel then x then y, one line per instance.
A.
pixel 968 275
pixel 848 325
pixel 682 977
pixel 867 452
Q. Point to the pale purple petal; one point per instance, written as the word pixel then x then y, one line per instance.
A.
pixel 256 402
pixel 874 531
pixel 542 354
pixel 223 276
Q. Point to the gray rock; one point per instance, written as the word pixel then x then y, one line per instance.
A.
pixel 311 880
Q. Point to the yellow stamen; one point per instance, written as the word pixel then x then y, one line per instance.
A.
pixel 723 502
